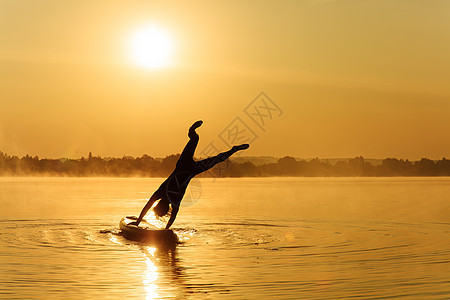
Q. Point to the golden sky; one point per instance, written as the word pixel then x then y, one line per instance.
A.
pixel 351 78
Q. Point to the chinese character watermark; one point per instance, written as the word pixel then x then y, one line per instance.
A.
pixel 237 132
pixel 262 109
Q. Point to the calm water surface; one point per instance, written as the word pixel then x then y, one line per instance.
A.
pixel 271 238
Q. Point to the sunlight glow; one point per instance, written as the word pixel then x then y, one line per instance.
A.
pixel 159 222
pixel 151 47
pixel 151 274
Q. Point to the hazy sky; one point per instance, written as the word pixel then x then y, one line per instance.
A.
pixel 351 78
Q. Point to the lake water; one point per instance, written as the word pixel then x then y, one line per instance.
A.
pixel 245 238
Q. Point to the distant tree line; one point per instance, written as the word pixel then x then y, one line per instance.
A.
pixel 147 166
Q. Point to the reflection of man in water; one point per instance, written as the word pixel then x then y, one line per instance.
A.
pixel 172 190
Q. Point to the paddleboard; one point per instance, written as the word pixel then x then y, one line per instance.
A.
pixel 146 232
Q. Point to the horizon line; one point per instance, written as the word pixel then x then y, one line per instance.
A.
pixel 233 158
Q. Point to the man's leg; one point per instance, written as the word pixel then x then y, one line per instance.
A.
pixel 208 163
pixel 188 152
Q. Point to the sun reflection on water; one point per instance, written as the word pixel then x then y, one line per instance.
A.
pixel 150 274
pixel 159 222
pixel 114 240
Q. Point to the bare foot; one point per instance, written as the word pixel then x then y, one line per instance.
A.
pixel 194 126
pixel 241 147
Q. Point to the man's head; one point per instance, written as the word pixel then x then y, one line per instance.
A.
pixel 161 208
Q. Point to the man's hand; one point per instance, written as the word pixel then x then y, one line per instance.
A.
pixel 172 216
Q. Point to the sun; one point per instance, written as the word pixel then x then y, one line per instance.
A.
pixel 151 47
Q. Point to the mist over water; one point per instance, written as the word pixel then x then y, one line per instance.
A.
pixel 245 238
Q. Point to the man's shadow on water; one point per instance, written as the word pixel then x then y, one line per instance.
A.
pixel 163 263
pixel 170 273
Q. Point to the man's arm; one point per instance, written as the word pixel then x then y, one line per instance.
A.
pixel 144 211
pixel 173 215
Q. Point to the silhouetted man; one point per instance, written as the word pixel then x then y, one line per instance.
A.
pixel 172 190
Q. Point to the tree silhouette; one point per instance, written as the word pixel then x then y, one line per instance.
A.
pixel 148 166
